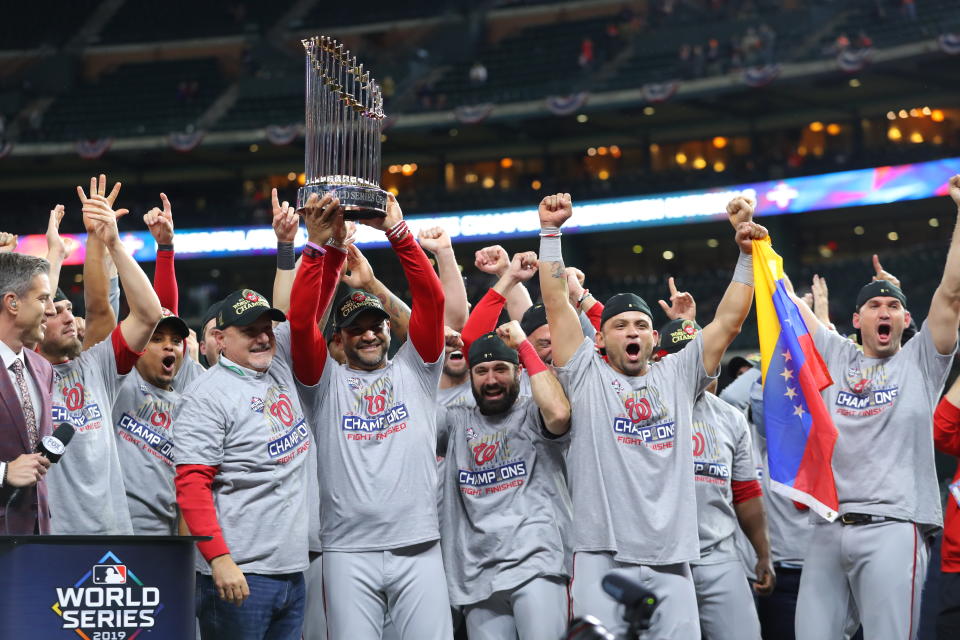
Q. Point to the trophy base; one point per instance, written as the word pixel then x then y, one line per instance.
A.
pixel 359 202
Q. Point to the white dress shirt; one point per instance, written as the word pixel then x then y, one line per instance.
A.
pixel 8 357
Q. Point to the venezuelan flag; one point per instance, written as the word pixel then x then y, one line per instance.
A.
pixel 800 432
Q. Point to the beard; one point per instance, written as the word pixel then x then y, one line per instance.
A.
pixel 496 406
pixel 365 360
pixel 64 349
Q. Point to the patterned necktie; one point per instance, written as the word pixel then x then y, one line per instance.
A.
pixel 29 415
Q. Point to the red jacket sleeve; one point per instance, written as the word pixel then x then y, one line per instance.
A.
pixel 194 484
pixel 125 356
pixel 593 315
pixel 744 490
pixel 330 280
pixel 483 319
pixel 165 281
pixel 426 313
pixel 946 428
pixel 307 346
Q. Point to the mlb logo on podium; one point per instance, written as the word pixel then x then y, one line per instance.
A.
pixel 109 574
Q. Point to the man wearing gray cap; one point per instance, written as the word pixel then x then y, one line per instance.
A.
pixel 871 562
pixel 631 453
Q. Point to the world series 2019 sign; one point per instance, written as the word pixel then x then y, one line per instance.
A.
pixel 97 588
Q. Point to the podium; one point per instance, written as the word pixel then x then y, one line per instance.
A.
pixel 97 587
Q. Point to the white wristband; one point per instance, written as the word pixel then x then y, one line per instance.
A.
pixel 3 473
pixel 743 273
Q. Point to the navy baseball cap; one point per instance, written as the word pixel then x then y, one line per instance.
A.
pixel 623 302
pixel 879 288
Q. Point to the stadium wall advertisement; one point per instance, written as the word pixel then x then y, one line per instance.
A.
pixel 879 185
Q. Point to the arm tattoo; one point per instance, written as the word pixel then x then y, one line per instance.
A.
pixel 558 270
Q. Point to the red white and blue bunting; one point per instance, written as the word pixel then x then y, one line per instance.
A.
pixel 659 91
pixel 949 43
pixel 184 141
pixel 283 135
pixel 93 149
pixel 854 60
pixel 760 76
pixel 472 114
pixel 566 105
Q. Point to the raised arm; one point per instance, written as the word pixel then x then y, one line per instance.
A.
pixel 426 315
pixel 944 316
pixel 495 261
pixel 99 316
pixel 736 301
pixel 56 247
pixel 145 311
pixel 566 334
pixel 286 222
pixel 160 223
pixel 682 305
pixel 544 386
pixel 361 276
pixel 313 287
pixel 455 309
pixel 485 316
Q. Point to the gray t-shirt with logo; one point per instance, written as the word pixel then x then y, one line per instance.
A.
pixel 460 395
pixel 722 453
pixel 142 421
pixel 252 427
pixel 506 508
pixel 883 461
pixel 631 456
pixel 376 434
pixel 87 495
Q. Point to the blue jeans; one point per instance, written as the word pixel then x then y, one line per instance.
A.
pixel 274 610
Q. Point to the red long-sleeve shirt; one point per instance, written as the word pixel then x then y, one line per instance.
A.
pixel 946 438
pixel 483 319
pixel 165 282
pixel 307 346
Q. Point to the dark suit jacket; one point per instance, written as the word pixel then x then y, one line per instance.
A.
pixel 29 511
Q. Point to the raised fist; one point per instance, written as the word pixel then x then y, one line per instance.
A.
pixel 511 334
pixel 434 239
pixel 523 266
pixel 740 209
pixel 493 260
pixel 555 210
pixel 747 232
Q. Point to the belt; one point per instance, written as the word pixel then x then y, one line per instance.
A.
pixel 865 518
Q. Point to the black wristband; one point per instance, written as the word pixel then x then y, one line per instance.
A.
pixel 165 247
pixel 286 259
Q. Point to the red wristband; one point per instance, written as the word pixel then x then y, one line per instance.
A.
pixel 529 359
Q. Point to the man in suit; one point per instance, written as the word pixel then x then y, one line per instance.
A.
pixel 26 387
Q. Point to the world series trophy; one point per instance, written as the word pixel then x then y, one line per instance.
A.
pixel 344 116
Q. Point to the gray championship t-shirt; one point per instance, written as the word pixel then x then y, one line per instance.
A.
pixel 722 453
pixel 252 427
pixel 143 420
pixel 631 456
pixel 460 395
pixel 506 508
pixel 883 461
pixel 377 437
pixel 87 495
